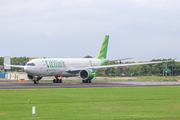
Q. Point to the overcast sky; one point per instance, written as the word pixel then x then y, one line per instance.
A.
pixel 143 29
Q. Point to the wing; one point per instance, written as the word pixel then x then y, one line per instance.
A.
pixel 17 66
pixel 110 66
pixel 120 65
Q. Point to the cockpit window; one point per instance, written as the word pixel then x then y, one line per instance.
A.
pixel 30 64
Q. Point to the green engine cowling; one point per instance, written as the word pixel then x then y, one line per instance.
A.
pixel 87 74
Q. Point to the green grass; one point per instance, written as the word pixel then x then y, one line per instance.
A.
pixel 125 103
pixel 147 79
pixel 157 78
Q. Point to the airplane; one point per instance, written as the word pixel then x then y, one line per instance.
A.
pixel 85 68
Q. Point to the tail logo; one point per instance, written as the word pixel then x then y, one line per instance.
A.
pixel 101 54
pixel 103 51
pixel 103 47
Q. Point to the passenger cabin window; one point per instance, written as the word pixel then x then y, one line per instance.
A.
pixel 30 64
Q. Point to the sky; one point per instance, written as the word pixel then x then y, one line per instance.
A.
pixel 143 29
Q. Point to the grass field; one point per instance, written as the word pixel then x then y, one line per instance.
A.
pixel 125 103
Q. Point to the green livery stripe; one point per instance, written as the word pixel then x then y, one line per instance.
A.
pixel 103 62
pixel 104 48
pixel 101 54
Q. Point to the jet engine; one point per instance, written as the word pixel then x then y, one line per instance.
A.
pixel 32 77
pixel 87 74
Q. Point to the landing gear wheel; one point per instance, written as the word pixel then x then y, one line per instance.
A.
pixel 54 81
pixel 57 81
pixel 36 82
pixel 60 80
pixel 86 81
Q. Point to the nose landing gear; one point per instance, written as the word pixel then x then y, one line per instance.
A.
pixel 36 81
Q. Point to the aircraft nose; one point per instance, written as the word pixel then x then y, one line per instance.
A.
pixel 30 70
pixel 25 69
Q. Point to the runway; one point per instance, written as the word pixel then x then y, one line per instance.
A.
pixel 27 85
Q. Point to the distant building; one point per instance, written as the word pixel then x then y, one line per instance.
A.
pixel 88 56
pixel 23 63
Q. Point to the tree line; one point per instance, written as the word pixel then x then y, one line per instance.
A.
pixel 16 61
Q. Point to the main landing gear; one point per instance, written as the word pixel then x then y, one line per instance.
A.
pixel 86 81
pixel 57 80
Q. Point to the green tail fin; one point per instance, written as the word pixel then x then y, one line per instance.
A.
pixel 104 48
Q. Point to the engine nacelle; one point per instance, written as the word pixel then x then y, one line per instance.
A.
pixel 87 74
pixel 32 77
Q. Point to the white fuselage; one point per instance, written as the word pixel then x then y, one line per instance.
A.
pixel 59 67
